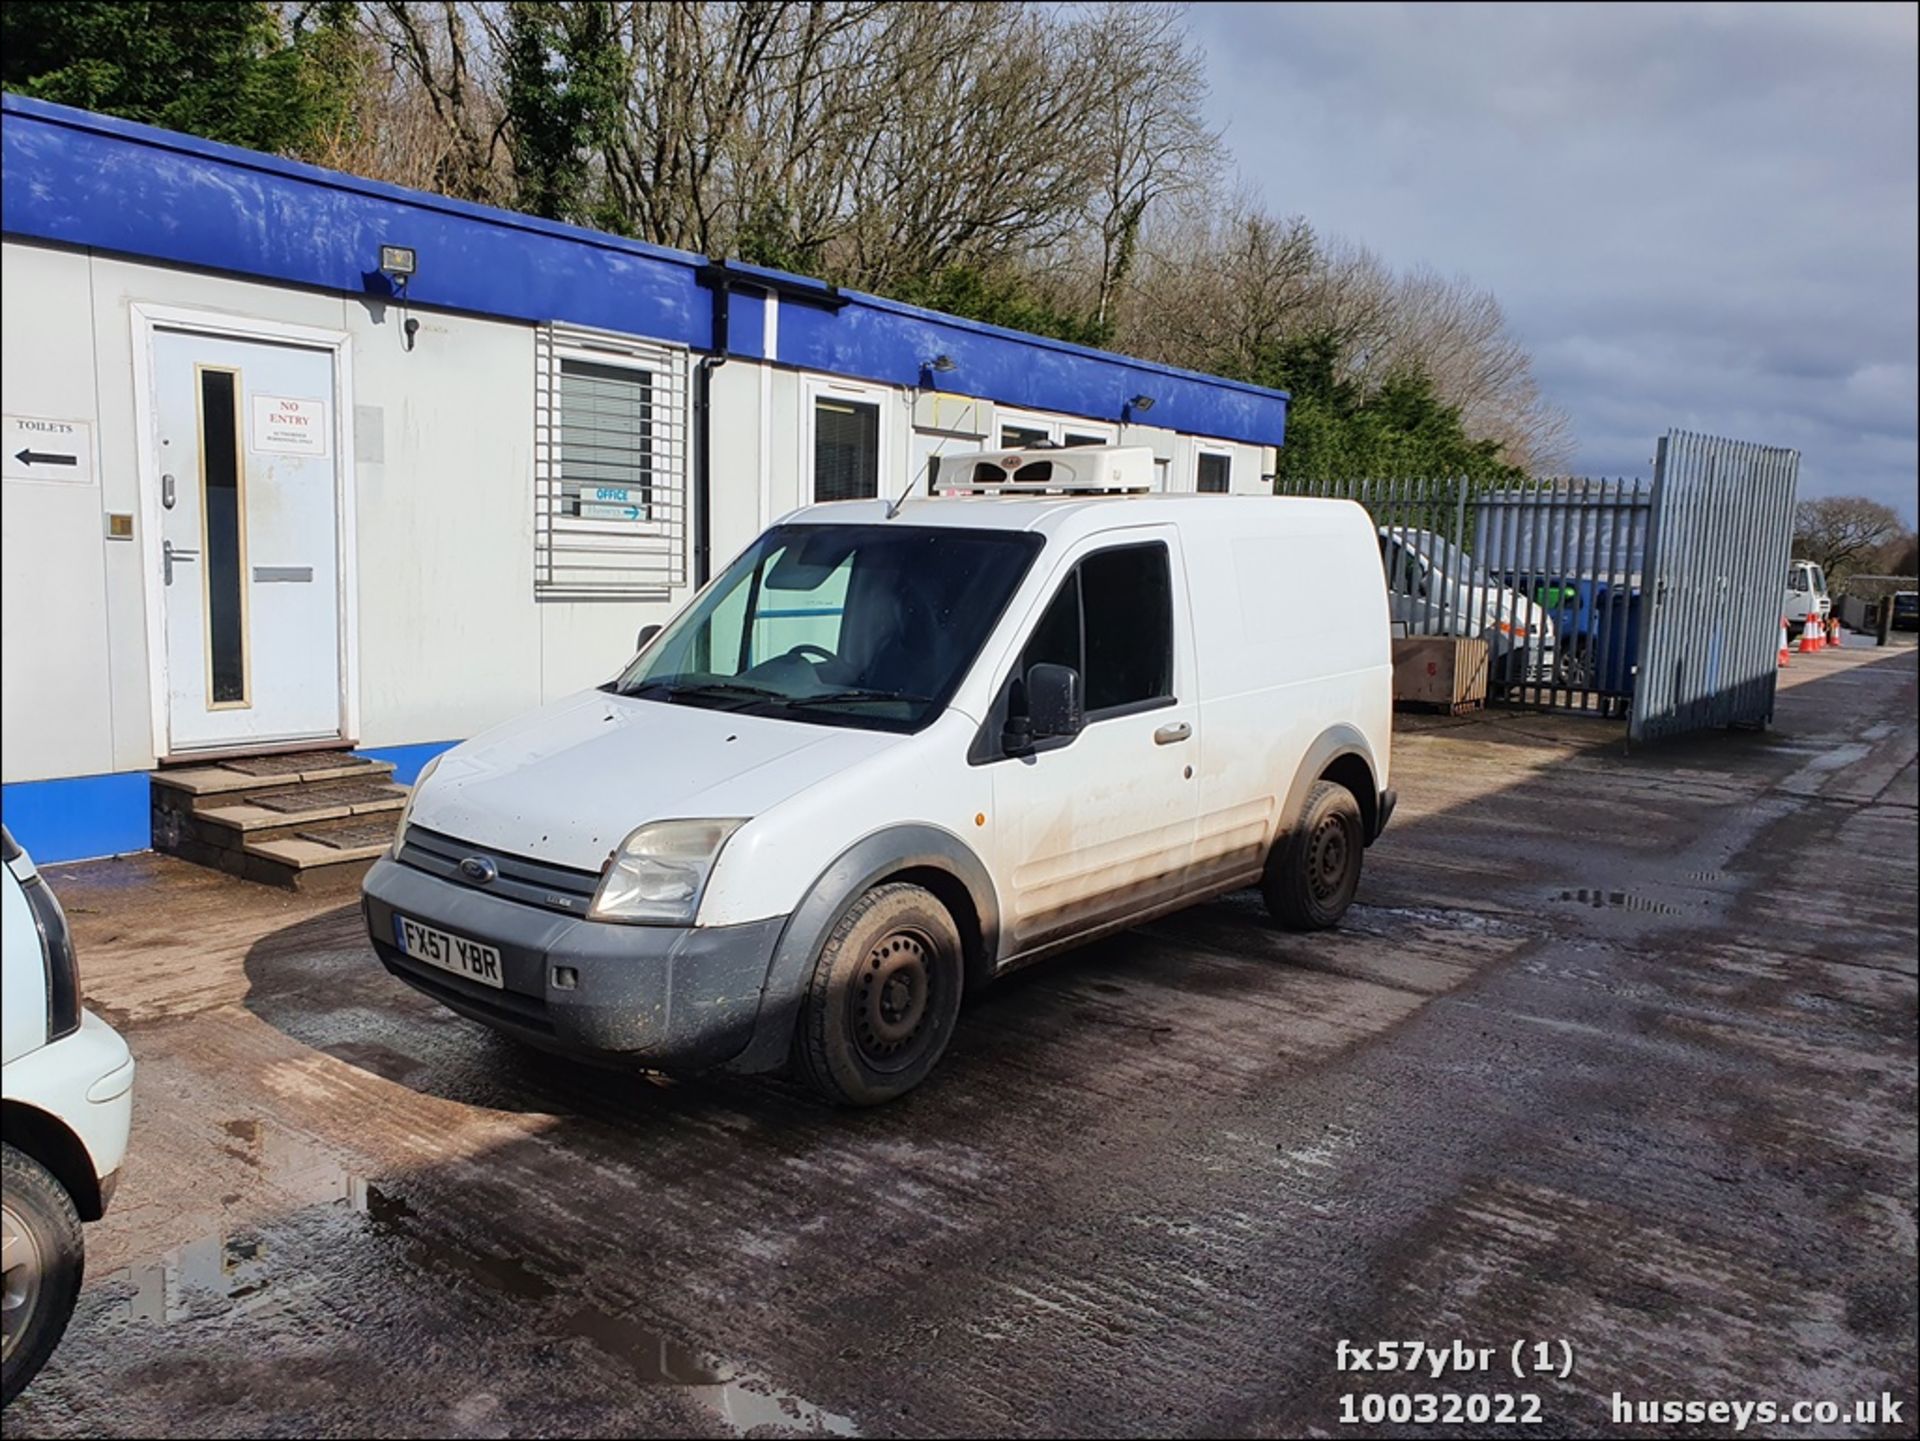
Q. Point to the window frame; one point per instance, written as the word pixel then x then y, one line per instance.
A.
pixel 814 389
pixel 569 554
pixel 1055 427
pixel 1200 452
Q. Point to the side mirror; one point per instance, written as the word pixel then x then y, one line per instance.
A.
pixel 1053 700
pixel 647 633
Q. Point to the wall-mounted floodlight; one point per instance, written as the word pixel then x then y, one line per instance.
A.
pixel 1140 402
pixel 397 263
pixel 942 363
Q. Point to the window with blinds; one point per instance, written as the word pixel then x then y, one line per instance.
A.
pixel 1216 473
pixel 610 485
pixel 846 449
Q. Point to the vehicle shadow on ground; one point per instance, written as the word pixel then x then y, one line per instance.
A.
pixel 319 982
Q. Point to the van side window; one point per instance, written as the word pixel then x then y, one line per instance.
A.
pixel 1127 599
pixel 1112 621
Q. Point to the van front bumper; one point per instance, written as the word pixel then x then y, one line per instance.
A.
pixel 672 997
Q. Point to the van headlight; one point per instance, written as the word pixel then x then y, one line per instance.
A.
pixel 406 811
pixel 659 872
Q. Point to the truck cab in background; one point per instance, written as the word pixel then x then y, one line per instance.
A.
pixel 1806 595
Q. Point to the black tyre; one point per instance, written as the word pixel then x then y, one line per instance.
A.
pixel 1314 869
pixel 882 1001
pixel 43 1264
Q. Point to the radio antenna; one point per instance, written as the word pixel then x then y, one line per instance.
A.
pixel 893 506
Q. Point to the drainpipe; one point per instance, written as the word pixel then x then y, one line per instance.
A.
pixel 722 286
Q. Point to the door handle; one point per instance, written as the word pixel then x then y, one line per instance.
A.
pixel 1172 734
pixel 170 553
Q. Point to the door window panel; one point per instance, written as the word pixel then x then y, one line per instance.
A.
pixel 224 551
pixel 1112 621
pixel 1216 473
pixel 1127 602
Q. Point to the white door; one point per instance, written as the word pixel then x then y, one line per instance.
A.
pixel 249 531
pixel 1102 826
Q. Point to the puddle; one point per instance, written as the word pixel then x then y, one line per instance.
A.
pixel 1599 900
pixel 232 1272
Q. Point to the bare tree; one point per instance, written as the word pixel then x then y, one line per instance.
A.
pixel 1840 532
pixel 446 51
pixel 1151 141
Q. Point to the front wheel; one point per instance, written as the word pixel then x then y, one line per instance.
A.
pixel 1313 870
pixel 884 997
pixel 40 1240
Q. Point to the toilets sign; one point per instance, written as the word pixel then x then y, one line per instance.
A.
pixel 285 426
pixel 39 447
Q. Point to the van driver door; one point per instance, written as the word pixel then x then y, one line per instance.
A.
pixel 1098 827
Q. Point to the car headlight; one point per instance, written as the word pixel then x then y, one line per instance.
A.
pixel 406 811
pixel 659 872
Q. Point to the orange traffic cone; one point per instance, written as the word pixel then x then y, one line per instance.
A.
pixel 1810 636
pixel 1783 642
pixel 1833 631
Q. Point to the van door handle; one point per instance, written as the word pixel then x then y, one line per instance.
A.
pixel 170 553
pixel 1172 734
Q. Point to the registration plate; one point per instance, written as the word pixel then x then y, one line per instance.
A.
pixel 463 957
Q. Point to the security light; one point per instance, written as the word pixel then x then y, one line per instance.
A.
pixel 1140 402
pixel 397 263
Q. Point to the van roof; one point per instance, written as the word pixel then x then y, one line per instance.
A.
pixel 1071 516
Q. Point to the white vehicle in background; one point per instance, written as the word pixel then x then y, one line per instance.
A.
pixel 68 1104
pixel 1435 588
pixel 1806 595
pixel 895 750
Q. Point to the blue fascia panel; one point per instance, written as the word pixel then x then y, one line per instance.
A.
pixel 80 179
pixel 883 340
pixel 79 818
pixel 74 178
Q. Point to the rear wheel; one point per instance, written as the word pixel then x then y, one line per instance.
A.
pixel 884 996
pixel 1313 870
pixel 43 1260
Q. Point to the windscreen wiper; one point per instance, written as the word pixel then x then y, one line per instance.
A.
pixel 846 697
pixel 708 690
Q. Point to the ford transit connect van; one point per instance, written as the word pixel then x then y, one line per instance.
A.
pixel 894 750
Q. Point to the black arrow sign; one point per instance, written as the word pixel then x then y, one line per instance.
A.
pixel 43 457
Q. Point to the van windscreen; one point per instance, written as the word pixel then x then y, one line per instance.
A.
pixel 861 625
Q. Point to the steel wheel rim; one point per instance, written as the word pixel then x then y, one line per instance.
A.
pixel 20 1291
pixel 1328 852
pixel 892 1000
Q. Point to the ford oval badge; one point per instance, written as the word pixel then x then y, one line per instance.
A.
pixel 479 870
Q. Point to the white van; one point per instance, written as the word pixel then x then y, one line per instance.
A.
pixel 68 1105
pixel 1435 588
pixel 895 750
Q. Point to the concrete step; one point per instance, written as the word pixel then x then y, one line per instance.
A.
pixel 287 808
pixel 322 855
pixel 269 773
pixel 309 821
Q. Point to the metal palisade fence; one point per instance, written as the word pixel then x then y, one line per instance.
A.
pixel 1657 601
pixel 1721 536
pixel 1548 572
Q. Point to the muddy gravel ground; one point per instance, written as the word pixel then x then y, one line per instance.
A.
pixel 1617 1051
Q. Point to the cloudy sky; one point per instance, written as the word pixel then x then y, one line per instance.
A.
pixel 1700 216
